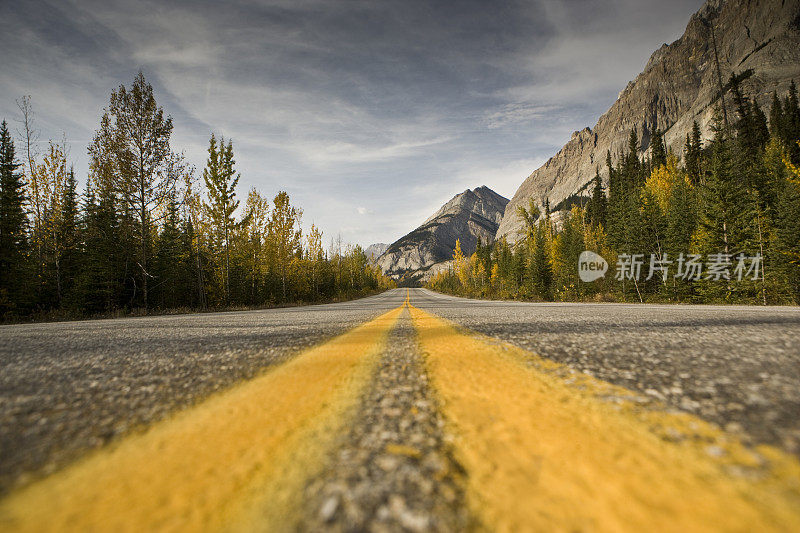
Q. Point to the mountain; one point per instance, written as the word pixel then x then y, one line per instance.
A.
pixel 758 40
pixel 469 216
pixel 374 251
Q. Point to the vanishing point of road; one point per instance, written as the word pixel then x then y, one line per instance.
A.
pixel 405 411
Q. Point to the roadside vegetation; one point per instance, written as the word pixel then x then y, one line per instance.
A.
pixel 147 233
pixel 734 196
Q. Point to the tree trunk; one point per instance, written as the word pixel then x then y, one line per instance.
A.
pixel 145 232
pixel 227 268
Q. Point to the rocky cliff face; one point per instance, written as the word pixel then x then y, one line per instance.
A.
pixel 469 216
pixel 374 251
pixel 759 39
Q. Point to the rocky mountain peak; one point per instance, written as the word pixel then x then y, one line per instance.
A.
pixel 759 40
pixel 472 215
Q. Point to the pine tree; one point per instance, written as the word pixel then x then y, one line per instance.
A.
pixel 13 228
pixel 316 256
pixel 221 180
pixel 658 154
pixel 568 246
pixel 693 154
pixel 776 118
pixel 791 124
pixel 69 239
pixel 624 201
pixel 731 218
pixel 631 165
pixel 787 221
pixel 484 254
pixel 519 260
pixel 597 207
pixel 172 264
pixel 681 218
pixel 284 238
pixel 100 286
pixel 616 199
pixel 199 263
pixel 788 237
pixel 651 232
pixel 540 271
pixel 744 126
pixel 760 128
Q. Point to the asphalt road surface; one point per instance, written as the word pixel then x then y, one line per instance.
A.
pixel 737 366
pixel 445 409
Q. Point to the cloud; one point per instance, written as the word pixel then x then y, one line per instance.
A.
pixel 393 105
pixel 518 113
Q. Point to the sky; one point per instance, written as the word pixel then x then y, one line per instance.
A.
pixel 370 114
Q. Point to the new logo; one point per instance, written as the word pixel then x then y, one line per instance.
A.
pixel 591 266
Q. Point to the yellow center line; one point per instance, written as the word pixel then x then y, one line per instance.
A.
pixel 550 451
pixel 237 461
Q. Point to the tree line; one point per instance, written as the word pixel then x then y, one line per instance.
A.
pixel 729 206
pixel 146 233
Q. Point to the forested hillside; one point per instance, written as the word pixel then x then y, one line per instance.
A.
pixel 718 223
pixel 757 40
pixel 149 232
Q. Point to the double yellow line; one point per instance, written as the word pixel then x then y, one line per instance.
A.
pixel 544 449
pixel 238 461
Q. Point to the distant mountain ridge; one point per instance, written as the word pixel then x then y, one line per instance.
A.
pixel 759 40
pixel 467 217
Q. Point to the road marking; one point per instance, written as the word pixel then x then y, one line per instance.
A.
pixel 548 450
pixel 237 461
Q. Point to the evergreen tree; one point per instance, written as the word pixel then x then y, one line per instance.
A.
pixel 632 166
pixel 284 237
pixel 730 218
pixel 13 228
pixel 484 256
pixel 787 218
pixel 658 154
pixel 568 246
pixel 172 264
pixel 540 271
pixel 316 256
pixel 616 199
pixel 624 201
pixel 100 286
pixel 597 207
pixel 681 218
pixel 69 239
pixel 221 180
pixel 760 128
pixel 744 126
pixel 693 154
pixel 791 124
pixel 252 250
pixel 776 119
pixel 519 261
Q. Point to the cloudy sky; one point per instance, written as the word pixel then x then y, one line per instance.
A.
pixel 369 113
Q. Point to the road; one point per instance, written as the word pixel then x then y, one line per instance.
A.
pixel 409 410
